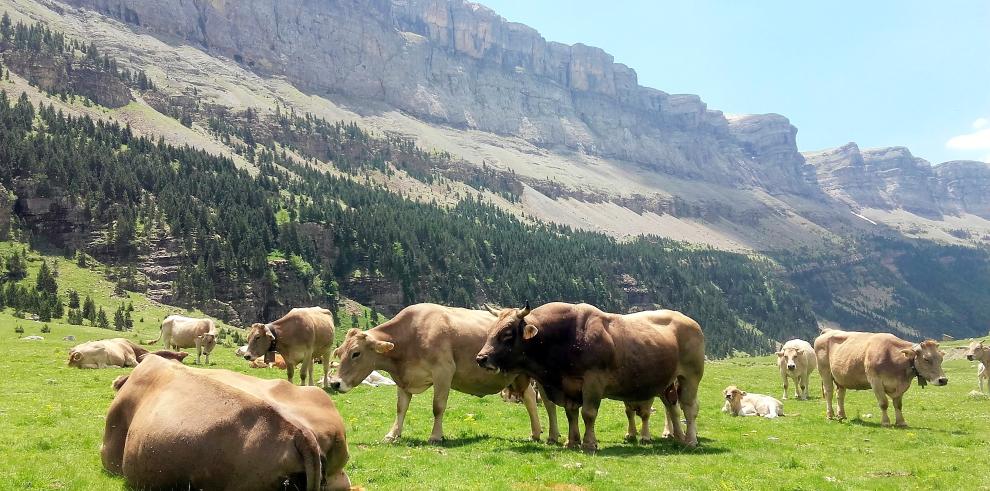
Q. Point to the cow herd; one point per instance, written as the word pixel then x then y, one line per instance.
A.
pixel 252 433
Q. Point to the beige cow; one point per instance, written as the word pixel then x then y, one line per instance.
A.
pixel 977 352
pixel 878 361
pixel 188 332
pixel 299 336
pixel 428 345
pixel 106 353
pixel 741 403
pixel 796 359
pixel 176 427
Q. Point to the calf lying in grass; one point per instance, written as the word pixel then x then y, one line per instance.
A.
pixel 740 403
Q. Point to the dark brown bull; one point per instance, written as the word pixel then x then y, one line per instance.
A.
pixel 580 355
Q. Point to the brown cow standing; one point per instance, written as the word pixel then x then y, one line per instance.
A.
pixel 580 355
pixel 878 361
pixel 424 345
pixel 171 426
pixel 299 336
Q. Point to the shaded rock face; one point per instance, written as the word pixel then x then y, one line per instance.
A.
pixel 884 178
pixel 891 178
pixel 964 186
pixel 460 64
pixel 55 74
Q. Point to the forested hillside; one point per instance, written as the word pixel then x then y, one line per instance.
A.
pixel 93 185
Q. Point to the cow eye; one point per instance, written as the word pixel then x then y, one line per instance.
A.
pixel 355 354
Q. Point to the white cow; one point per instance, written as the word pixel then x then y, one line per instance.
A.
pixel 187 332
pixel 796 359
pixel 740 403
pixel 977 352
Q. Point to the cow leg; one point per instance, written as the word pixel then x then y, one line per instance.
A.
pixel 589 413
pixel 290 370
pixel 785 377
pixel 828 388
pixel 573 431
pixel 631 417
pixel 401 406
pixel 645 409
pixel 840 398
pixel 553 437
pixel 898 416
pixel 199 350
pixel 529 400
pixel 441 390
pixel 882 402
pixel 688 395
pixel 803 385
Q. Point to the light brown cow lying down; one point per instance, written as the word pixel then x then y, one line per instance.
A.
pixel 977 352
pixel 428 345
pixel 277 362
pixel 299 336
pixel 176 427
pixel 878 361
pixel 112 353
pixel 741 403
pixel 179 332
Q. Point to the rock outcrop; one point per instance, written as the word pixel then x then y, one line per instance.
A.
pixel 457 63
pixel 892 178
pixel 53 73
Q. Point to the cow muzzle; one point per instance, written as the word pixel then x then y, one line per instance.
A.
pixel 248 358
pixel 791 366
pixel 942 381
pixel 484 361
pixel 969 357
pixel 338 385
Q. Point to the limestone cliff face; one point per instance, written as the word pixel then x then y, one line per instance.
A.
pixel 964 186
pixel 891 177
pixel 457 63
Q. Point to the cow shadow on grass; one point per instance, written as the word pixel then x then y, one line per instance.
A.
pixel 618 449
pixel 448 442
pixel 874 424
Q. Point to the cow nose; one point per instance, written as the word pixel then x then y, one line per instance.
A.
pixel 969 357
pixel 247 357
pixel 791 367
pixel 481 359
pixel 335 385
pixel 943 381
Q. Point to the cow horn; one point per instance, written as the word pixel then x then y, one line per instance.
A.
pixel 525 311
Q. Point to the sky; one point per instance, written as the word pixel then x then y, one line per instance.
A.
pixel 879 73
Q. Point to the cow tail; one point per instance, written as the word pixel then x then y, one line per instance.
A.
pixel 309 449
pixel 154 341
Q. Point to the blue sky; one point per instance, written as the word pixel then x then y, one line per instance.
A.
pixel 878 72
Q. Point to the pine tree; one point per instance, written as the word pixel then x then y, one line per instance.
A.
pixel 46 280
pixel 89 310
pixel 119 323
pixel 101 319
pixel 73 299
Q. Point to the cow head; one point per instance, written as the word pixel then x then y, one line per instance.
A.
pixel 75 359
pixel 733 396
pixel 359 355
pixel 208 341
pixel 976 351
pixel 503 349
pixel 927 361
pixel 789 356
pixel 259 341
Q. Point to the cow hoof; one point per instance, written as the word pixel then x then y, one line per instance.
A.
pixel 536 438
pixel 590 449
pixel 435 441
pixel 390 439
pixel 573 445
pixel 645 441
pixel 631 438
pixel 901 425
pixel 553 440
pixel 691 443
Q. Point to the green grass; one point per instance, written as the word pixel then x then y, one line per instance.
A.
pixel 52 419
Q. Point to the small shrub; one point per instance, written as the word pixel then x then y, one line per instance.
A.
pixel 19 330
pixel 45 329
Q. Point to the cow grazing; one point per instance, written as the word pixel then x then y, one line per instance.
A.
pixel 163 433
pixel 428 345
pixel 796 359
pixel 299 336
pixel 878 361
pixel 977 352
pixel 179 332
pixel 741 403
pixel 580 355
pixel 106 353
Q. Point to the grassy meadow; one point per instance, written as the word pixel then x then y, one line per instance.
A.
pixel 52 418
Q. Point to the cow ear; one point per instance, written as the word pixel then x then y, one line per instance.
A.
pixel 780 353
pixel 942 353
pixel 352 331
pixel 76 356
pixel 530 331
pixel 119 382
pixel 742 392
pixel 384 347
pixel 909 352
